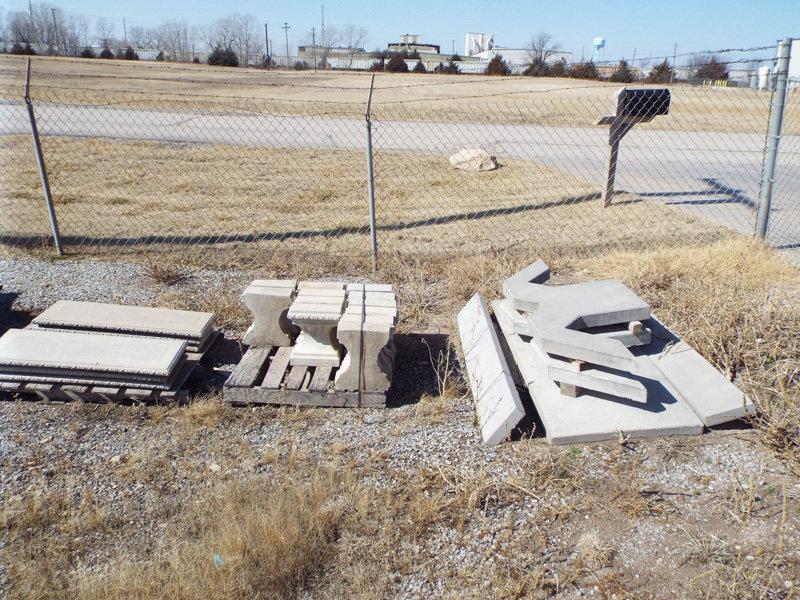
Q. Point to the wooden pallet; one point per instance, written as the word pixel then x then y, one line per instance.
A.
pixel 264 376
pixel 87 393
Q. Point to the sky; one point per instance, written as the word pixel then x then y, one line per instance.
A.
pixel 651 27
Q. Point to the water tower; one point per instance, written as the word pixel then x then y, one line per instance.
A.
pixel 598 49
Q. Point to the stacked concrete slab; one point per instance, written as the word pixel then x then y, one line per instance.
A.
pixel 598 364
pixel 195 328
pixel 79 358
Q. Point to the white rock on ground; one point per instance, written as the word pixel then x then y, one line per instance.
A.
pixel 474 160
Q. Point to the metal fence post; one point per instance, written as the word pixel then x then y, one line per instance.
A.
pixel 40 159
pixel 773 137
pixel 371 182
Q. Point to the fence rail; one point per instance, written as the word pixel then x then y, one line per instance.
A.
pixel 231 178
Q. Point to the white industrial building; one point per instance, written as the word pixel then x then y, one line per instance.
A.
pixel 481 46
pixel 520 56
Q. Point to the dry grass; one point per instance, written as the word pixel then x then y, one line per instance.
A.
pixel 243 541
pixel 224 301
pixel 513 100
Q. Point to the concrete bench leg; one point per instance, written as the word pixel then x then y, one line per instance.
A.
pixel 378 353
pixel 269 304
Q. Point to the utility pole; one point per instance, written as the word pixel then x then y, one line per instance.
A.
pixel 125 31
pixel 322 23
pixel 314 47
pixel 286 29
pixel 266 41
pixel 55 30
pixel 674 56
pixel 33 27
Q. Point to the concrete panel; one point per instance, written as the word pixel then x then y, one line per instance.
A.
pixel 496 399
pixel 714 399
pixel 61 351
pixel 190 325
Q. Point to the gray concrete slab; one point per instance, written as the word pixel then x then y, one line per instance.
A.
pixel 61 352
pixel 713 398
pixel 496 398
pixel 190 325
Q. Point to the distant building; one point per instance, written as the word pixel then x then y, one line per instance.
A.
pixel 520 56
pixel 475 43
pixel 309 52
pixel 410 42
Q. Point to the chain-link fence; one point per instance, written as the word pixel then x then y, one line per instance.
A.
pixel 152 162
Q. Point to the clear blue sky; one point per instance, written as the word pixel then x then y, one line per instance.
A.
pixel 647 25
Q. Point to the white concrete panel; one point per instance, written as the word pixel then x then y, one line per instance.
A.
pixel 496 399
pixel 61 351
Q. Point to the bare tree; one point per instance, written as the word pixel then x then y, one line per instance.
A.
pixel 172 38
pixel 353 38
pixel 104 33
pixel 142 37
pixel 21 28
pixel 540 48
pixel 236 32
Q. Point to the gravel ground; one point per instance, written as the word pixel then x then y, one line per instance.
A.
pixel 668 510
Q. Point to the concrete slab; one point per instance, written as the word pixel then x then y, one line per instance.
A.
pixel 96 316
pixel 59 352
pixel 596 416
pixel 496 399
pixel 713 398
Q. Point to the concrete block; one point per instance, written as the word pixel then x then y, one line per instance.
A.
pixel 369 345
pixel 370 287
pixel 332 285
pixel 269 306
pixel 275 283
pixel 496 399
pixel 713 398
pixel 516 287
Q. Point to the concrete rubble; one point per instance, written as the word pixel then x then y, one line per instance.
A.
pixel 596 363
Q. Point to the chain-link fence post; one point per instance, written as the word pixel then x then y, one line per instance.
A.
pixel 371 181
pixel 773 137
pixel 40 159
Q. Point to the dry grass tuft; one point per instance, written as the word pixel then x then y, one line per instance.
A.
pixel 222 300
pixel 593 552
pixel 242 541
pixel 163 273
pixel 206 411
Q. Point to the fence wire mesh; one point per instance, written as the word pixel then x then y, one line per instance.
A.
pixel 274 163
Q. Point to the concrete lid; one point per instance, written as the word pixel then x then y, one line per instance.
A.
pixel 136 319
pixel 78 351
pixel 275 283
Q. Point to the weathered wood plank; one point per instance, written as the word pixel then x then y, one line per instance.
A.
pixel 277 367
pixel 296 376
pixel 320 380
pixel 260 395
pixel 252 367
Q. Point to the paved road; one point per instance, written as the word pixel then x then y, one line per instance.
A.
pixel 712 174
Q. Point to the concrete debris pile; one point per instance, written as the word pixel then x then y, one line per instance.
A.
pixel 596 363
pixel 93 351
pixel 330 338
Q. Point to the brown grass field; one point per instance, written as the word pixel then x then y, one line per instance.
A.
pixel 113 192
pixel 545 101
